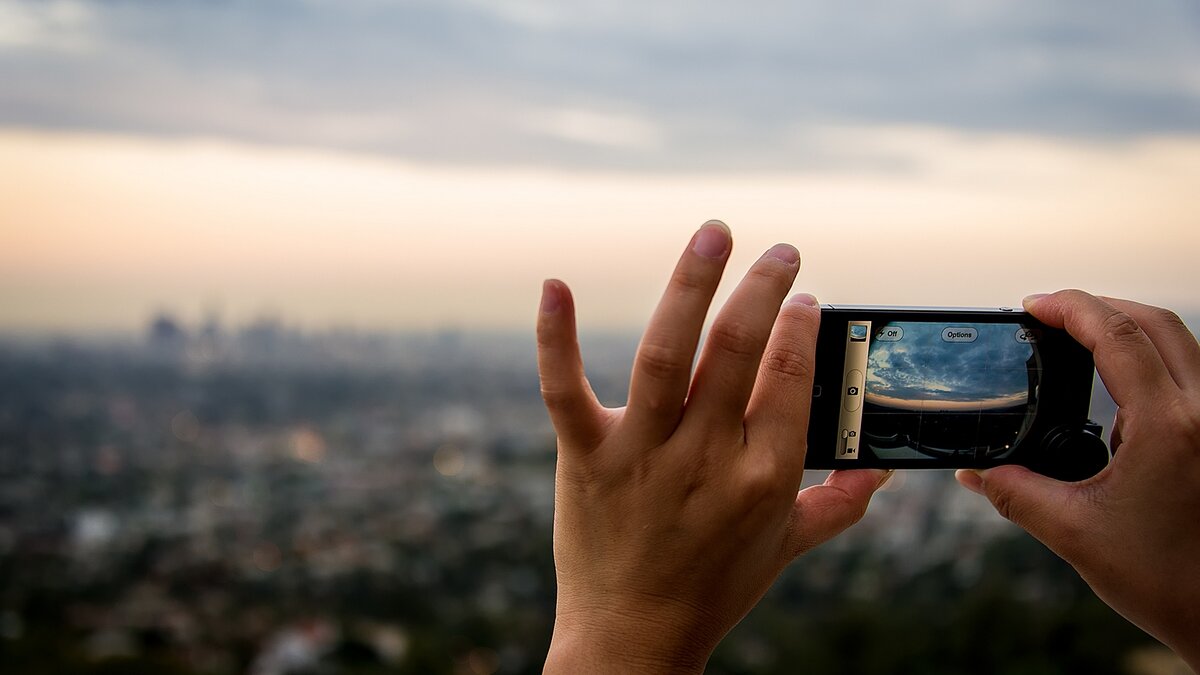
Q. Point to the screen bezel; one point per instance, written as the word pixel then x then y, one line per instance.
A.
pixel 1064 396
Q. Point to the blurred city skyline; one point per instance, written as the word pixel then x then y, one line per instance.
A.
pixel 424 165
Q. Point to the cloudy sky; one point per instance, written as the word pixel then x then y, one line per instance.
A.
pixel 419 163
pixel 990 371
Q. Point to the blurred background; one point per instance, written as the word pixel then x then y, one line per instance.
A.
pixel 268 274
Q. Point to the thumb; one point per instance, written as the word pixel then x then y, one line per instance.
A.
pixel 821 512
pixel 1044 507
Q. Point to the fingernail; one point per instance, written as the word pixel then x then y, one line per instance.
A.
pixel 712 241
pixel 970 479
pixel 886 477
pixel 803 299
pixel 1031 299
pixel 784 253
pixel 550 297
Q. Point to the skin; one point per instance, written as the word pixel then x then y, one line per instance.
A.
pixel 674 514
pixel 1133 530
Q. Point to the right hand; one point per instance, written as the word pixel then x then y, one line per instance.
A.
pixel 1133 530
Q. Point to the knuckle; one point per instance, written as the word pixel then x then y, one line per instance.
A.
pixel 759 484
pixel 1191 426
pixel 547 337
pixel 1072 303
pixel 842 509
pixel 1064 530
pixel 850 509
pixel 1185 417
pixel 1121 329
pixel 1005 506
pixel 1014 510
pixel 557 399
pixel 690 281
pixel 661 362
pixel 734 338
pixel 1073 298
pixel 788 361
pixel 1167 318
pixel 773 274
pixel 856 510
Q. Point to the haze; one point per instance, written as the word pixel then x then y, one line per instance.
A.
pixel 412 165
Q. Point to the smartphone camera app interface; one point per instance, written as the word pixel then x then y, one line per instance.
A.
pixel 926 390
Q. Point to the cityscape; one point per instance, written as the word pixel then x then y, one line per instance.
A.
pixel 266 500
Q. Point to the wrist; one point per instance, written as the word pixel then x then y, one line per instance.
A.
pixel 623 645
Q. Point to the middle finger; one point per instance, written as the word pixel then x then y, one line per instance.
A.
pixel 729 361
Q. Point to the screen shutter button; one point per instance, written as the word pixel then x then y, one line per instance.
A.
pixel 854 383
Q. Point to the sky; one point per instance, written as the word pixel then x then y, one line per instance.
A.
pixel 989 371
pixel 382 164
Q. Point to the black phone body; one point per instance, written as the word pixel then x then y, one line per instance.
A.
pixel 928 387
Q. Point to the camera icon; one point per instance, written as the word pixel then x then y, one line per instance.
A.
pixel 852 391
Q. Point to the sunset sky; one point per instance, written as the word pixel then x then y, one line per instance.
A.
pixel 425 164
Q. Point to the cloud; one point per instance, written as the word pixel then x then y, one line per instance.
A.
pixel 52 25
pixel 673 85
pixel 923 367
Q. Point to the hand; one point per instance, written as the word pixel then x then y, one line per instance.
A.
pixel 674 514
pixel 1133 530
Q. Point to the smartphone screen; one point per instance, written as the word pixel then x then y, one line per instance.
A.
pixel 923 390
pixel 940 387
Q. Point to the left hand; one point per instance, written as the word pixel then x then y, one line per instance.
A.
pixel 674 515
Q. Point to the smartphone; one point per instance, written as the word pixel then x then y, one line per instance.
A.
pixel 942 388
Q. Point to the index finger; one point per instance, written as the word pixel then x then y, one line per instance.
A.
pixel 1175 343
pixel 1128 363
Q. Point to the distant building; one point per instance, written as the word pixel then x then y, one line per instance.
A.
pixel 165 337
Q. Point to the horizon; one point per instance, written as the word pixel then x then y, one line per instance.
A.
pixel 189 226
pixel 193 325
